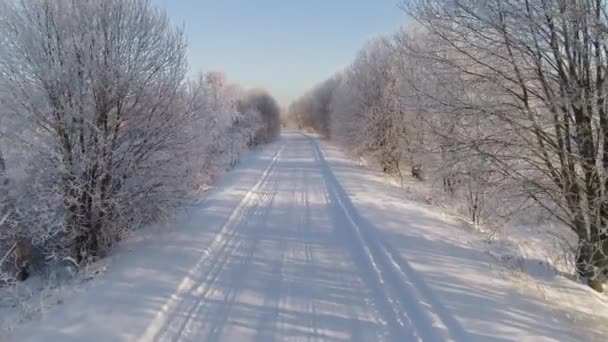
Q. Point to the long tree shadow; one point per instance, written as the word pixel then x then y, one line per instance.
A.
pixel 384 267
pixel 450 278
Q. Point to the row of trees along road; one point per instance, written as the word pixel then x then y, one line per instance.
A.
pixel 100 131
pixel 487 97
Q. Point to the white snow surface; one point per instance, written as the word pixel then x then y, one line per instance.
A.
pixel 300 243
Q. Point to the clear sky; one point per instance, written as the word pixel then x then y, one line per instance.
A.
pixel 285 46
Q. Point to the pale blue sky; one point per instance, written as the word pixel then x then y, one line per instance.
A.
pixel 285 46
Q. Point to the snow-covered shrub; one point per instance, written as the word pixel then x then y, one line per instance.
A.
pixel 100 131
pixel 101 83
pixel 260 102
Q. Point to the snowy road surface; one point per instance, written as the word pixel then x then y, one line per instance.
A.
pixel 298 243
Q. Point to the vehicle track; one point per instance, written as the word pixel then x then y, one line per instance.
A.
pixel 209 265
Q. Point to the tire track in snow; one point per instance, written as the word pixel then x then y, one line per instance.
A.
pixel 189 329
pixel 399 290
pixel 259 208
pixel 216 267
pixel 305 225
pixel 376 289
pixel 217 247
pixel 356 308
pixel 242 269
pixel 273 295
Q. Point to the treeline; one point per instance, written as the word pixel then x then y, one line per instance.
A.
pixel 100 130
pixel 499 103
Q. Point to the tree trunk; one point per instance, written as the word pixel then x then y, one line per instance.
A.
pixel 592 263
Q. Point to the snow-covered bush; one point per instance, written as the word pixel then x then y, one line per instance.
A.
pixel 101 83
pixel 100 132
pixel 259 101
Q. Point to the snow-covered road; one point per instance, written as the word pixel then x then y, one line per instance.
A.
pixel 280 268
pixel 298 243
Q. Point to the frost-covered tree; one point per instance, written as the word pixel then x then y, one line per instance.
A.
pixel 363 108
pixel 536 72
pixel 312 110
pixel 258 100
pixel 101 84
pixel 234 119
pixel 100 132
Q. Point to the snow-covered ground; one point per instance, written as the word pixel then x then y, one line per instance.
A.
pixel 300 243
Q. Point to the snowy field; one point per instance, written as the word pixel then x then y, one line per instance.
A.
pixel 301 243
